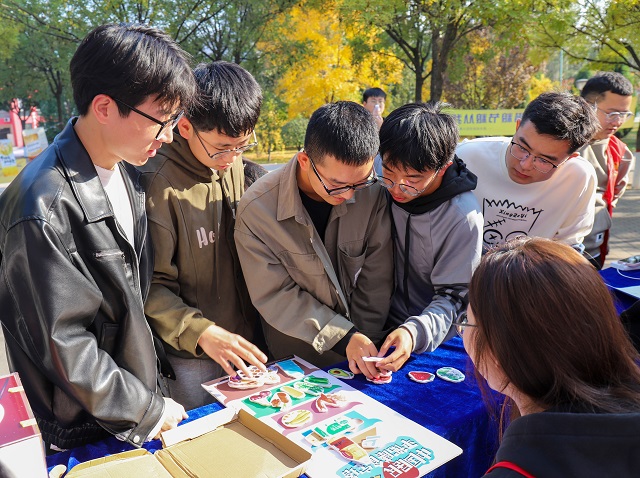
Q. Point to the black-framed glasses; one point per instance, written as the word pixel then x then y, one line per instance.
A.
pixel 337 191
pixel 461 323
pixel 238 150
pixel 539 164
pixel 164 125
pixel 405 188
pixel 616 116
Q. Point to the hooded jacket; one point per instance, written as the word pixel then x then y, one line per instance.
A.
pixel 71 293
pixel 558 445
pixel 438 244
pixel 197 279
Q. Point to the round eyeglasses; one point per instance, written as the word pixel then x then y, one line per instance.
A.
pixel 219 154
pixel 539 164
pixel 616 116
pixel 405 188
pixel 461 323
pixel 164 125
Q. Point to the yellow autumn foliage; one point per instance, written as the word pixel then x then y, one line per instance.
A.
pixel 542 85
pixel 325 69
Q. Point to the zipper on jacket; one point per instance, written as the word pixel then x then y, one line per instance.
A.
pixel 101 254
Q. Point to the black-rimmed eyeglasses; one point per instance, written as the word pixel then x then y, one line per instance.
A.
pixel 461 323
pixel 164 125
pixel 539 164
pixel 341 190
pixel 238 150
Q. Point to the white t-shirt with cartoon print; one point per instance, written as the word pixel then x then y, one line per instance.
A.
pixel 559 208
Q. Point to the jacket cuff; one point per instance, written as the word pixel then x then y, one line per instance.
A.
pixel 412 327
pixel 188 339
pixel 341 347
pixel 331 333
pixel 139 434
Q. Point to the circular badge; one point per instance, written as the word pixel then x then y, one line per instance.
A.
pixel 385 377
pixel 421 377
pixel 450 374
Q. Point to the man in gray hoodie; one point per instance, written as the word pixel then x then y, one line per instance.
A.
pixel 437 227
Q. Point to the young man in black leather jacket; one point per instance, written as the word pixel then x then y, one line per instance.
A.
pixel 75 256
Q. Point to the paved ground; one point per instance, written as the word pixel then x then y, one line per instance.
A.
pixel 625 232
pixel 624 242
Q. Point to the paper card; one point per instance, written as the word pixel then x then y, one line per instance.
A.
pixel 197 427
pixel 632 291
pixel 221 390
pixel 401 444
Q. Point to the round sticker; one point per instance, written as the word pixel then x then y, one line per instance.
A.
pixel 421 377
pixel 450 374
pixel 385 377
pixel 339 373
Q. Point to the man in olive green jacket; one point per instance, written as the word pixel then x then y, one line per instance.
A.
pixel 314 241
pixel 198 303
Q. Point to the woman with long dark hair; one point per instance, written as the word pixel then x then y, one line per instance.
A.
pixel 542 329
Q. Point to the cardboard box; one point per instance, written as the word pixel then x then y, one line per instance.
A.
pixel 239 445
pixel 21 447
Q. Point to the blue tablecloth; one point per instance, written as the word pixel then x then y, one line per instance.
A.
pixel 615 280
pixel 454 411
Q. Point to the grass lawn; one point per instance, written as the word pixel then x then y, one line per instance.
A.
pixel 630 138
pixel 276 156
pixel 286 155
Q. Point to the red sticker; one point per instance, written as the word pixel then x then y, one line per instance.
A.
pixel 399 469
pixel 421 377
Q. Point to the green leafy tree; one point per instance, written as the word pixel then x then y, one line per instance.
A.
pixel 294 131
pixel 605 33
pixel 486 74
pixel 426 32
pixel 272 117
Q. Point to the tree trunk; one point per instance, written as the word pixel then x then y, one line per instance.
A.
pixel 419 84
pixel 441 46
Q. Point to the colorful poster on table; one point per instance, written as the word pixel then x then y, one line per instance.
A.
pixel 350 434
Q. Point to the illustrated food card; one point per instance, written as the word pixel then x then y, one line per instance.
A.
pixel 350 434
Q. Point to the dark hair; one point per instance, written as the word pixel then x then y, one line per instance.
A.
pixel 548 319
pixel 230 99
pixel 608 81
pixel 377 92
pixel 130 63
pixel 419 136
pixel 344 130
pixel 252 172
pixel 563 116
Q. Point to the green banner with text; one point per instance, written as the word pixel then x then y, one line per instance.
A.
pixel 487 122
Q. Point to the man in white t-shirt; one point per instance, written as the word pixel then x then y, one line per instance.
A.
pixel 535 183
